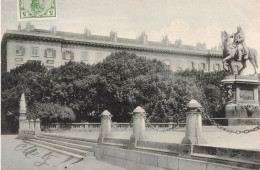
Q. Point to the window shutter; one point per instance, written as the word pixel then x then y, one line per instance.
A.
pixel 63 55
pixel 22 50
pixel 54 53
pixel 71 55
pixel 214 66
pixel 45 53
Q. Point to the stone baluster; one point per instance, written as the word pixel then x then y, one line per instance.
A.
pixel 193 133
pixel 105 126
pixel 37 126
pixel 138 126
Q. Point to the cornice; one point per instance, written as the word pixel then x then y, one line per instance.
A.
pixel 109 45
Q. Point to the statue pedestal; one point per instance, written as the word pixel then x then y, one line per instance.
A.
pixel 244 109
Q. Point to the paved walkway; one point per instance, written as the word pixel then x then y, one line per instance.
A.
pixel 17 155
pixel 213 136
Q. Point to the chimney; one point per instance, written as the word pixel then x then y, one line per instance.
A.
pixel 178 42
pixel 28 26
pixel 143 38
pixel 165 41
pixel 113 36
pixel 19 27
pixel 53 29
pixel 87 32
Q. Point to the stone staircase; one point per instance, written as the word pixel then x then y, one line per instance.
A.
pixel 77 147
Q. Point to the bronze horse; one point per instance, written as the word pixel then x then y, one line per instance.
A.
pixel 229 54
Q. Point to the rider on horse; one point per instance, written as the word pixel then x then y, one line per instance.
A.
pixel 238 40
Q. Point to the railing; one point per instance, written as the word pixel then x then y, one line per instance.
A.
pixel 97 126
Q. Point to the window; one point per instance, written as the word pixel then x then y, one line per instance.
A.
pixel 32 61
pixel 19 59
pixel 202 66
pixel 50 53
pixel 49 67
pixel 19 50
pixel 17 65
pixel 68 55
pixel 84 56
pixel 35 51
pixel 50 61
pixel 216 67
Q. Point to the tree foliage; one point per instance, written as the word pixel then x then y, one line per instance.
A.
pixel 120 83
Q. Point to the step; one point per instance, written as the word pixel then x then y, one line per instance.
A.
pixel 68 144
pixel 64 148
pixel 70 140
pixel 225 160
pixel 70 137
pixel 53 149
pixel 74 141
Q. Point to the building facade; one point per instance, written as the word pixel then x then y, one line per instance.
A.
pixel 54 48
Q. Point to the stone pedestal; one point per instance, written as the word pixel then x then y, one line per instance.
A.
pixel 193 133
pixel 24 126
pixel 105 126
pixel 138 126
pixel 244 108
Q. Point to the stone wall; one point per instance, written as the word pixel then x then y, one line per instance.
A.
pixel 135 160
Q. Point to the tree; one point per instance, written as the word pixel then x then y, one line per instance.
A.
pixel 49 112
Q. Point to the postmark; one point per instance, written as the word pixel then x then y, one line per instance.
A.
pixel 36 9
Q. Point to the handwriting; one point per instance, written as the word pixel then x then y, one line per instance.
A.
pixel 33 151
pixel 68 159
pixel 81 159
pixel 45 158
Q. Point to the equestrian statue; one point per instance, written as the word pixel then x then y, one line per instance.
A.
pixel 237 51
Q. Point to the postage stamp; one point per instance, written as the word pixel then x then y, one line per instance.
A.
pixel 36 9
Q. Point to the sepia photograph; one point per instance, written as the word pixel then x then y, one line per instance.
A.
pixel 130 84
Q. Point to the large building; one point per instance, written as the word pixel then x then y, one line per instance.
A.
pixel 54 48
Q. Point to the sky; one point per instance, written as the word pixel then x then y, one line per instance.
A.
pixel 190 20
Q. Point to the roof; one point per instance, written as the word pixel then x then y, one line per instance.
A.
pixel 106 41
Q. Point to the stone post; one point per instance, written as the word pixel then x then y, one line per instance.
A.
pixel 105 126
pixel 193 124
pixel 22 116
pixel 138 126
pixel 27 126
pixel 37 126
pixel 32 127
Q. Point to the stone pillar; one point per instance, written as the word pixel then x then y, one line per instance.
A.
pixel 32 127
pixel 22 116
pixel 193 124
pixel 105 126
pixel 138 126
pixel 37 126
